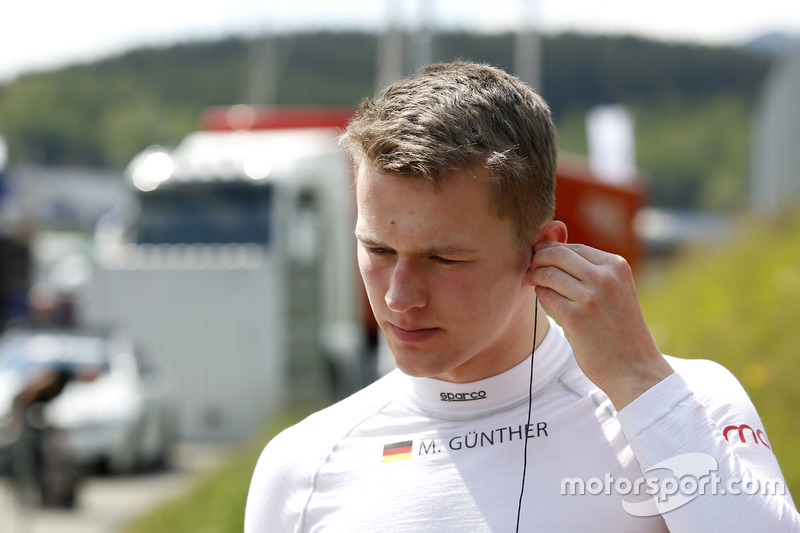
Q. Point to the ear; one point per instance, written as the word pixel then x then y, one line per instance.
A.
pixel 553 231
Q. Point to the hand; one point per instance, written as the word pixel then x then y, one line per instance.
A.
pixel 592 295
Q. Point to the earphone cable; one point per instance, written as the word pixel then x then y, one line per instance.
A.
pixel 528 423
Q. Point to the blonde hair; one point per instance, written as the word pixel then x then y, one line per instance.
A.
pixel 457 116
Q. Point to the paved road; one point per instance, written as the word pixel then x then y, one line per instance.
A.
pixel 107 503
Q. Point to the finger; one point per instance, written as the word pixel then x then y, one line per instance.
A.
pixel 550 299
pixel 585 264
pixel 556 304
pixel 593 255
pixel 563 257
pixel 557 280
pixel 566 270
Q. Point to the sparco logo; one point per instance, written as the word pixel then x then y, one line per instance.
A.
pixel 462 396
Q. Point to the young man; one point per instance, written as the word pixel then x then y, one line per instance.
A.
pixel 457 248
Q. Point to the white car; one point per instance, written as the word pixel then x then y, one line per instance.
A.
pixel 122 419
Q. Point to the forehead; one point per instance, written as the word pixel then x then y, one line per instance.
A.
pixel 461 188
pixel 456 212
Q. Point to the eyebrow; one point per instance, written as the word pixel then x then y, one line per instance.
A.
pixel 443 249
pixel 366 239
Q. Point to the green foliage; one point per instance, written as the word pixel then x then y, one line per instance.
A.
pixel 582 71
pixel 495 50
pixel 738 305
pixel 677 138
pixel 215 504
pixel 326 68
pixel 692 104
pixel 695 152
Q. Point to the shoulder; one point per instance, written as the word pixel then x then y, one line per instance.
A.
pixel 699 368
pixel 321 430
pixel 700 395
pixel 708 380
pixel 326 426
pixel 304 445
pixel 717 390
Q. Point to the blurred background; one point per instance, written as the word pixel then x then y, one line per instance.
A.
pixel 175 213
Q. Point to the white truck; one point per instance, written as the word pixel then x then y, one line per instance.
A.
pixel 235 268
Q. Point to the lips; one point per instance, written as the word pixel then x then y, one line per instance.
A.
pixel 412 334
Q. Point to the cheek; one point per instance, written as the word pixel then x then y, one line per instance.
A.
pixel 485 297
pixel 463 296
pixel 371 274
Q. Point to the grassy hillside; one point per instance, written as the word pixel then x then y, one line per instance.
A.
pixel 692 105
pixel 737 304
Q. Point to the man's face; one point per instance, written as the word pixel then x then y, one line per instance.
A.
pixel 445 278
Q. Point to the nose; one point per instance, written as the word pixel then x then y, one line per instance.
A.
pixel 406 288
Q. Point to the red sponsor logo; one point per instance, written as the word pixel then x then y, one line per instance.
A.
pixel 743 430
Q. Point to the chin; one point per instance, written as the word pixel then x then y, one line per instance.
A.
pixel 413 368
pixel 420 370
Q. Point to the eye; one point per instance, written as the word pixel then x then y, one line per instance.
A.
pixel 377 250
pixel 444 261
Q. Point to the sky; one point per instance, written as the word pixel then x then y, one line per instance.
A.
pixel 43 34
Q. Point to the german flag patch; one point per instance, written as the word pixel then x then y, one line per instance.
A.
pixel 397 451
